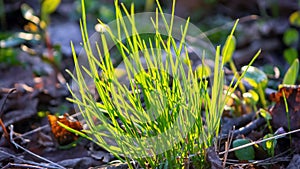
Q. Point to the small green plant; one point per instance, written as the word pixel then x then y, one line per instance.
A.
pixel 164 115
pixel 267 116
pixel 258 80
pixel 269 145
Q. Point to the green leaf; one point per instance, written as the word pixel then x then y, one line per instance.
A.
pixel 49 6
pixel 251 97
pixel 265 114
pixel 203 71
pixel 229 48
pixel 295 18
pixel 246 153
pixel 42 114
pixel 290 36
pixel 8 56
pixel 292 73
pixel 290 54
pixel 255 77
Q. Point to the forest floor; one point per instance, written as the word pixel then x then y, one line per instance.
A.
pixel 33 90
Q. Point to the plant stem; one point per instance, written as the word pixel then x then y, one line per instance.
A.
pixel 287 115
pixel 262 97
pixel 233 68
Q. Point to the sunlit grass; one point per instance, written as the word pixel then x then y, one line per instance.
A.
pixel 178 118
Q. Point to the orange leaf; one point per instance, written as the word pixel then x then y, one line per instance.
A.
pixel 63 136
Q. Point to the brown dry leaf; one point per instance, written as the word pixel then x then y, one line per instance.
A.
pixel 63 136
pixel 278 111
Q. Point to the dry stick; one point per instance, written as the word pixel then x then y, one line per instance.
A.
pixel 227 145
pixel 25 161
pixel 29 152
pixel 6 135
pixel 248 128
pixel 260 141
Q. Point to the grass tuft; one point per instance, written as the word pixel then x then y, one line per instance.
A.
pixel 164 115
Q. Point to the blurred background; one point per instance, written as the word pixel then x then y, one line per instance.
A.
pixel 265 24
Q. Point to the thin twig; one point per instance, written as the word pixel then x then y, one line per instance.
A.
pixel 32 131
pixel 6 135
pixel 29 152
pixel 26 161
pixel 227 145
pixel 271 160
pixel 260 141
pixel 27 166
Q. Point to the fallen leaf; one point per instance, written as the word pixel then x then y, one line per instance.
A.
pixel 62 135
pixel 278 111
pixel 246 153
